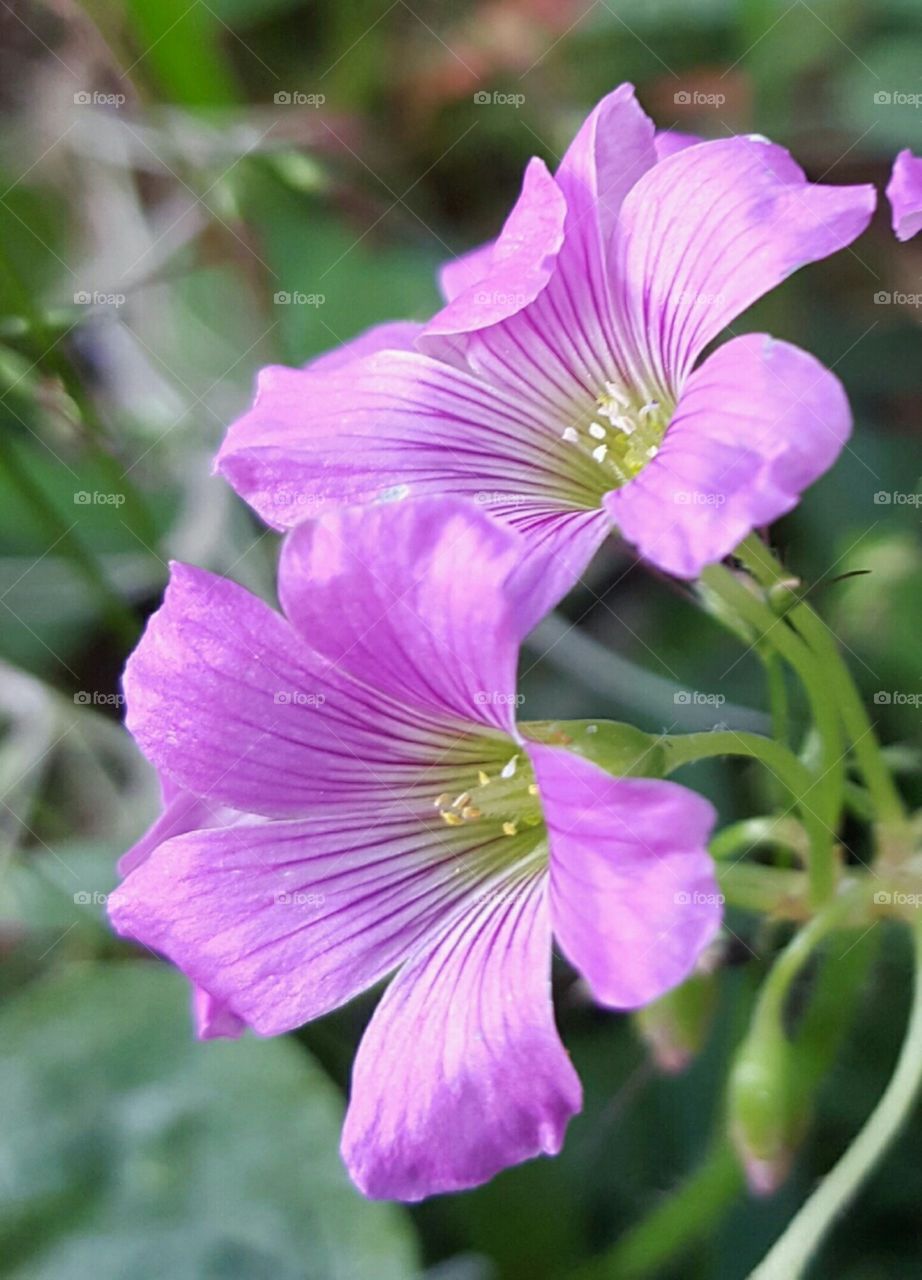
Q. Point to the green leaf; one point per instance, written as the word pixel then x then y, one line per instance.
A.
pixel 128 1148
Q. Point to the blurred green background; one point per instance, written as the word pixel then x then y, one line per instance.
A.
pixel 193 190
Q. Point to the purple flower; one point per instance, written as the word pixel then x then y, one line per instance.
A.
pixel 904 191
pixel 562 383
pixel 374 806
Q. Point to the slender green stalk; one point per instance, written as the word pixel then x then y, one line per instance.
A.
pixel 765 569
pixel 795 776
pixel 769 1009
pixel 677 1224
pixel 790 1255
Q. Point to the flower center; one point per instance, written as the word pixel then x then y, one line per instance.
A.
pixel 509 796
pixel 618 437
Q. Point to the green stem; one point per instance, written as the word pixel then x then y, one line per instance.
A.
pixel 824 794
pixel 789 1256
pixel 768 1016
pixel 795 776
pixel 766 570
pixel 687 1217
pixel 775 829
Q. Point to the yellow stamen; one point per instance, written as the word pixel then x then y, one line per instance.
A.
pixel 510 828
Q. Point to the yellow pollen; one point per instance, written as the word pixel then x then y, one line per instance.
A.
pixel 510 828
pixel 452 819
pixel 482 778
pixel 533 788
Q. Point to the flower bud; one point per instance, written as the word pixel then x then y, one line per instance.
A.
pixel 763 1111
pixel 675 1027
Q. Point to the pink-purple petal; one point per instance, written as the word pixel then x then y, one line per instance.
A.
pixel 757 423
pixel 393 335
pixel 709 230
pixel 460 273
pixel 670 141
pixel 395 422
pixel 516 268
pixel 226 699
pixel 460 1072
pixel 285 920
pixel 411 597
pixel 633 897
pixel 904 191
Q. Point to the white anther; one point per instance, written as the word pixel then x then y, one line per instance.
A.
pixel 600 452
pixel 571 435
pixel 509 768
pixel 615 393
pixel 596 430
